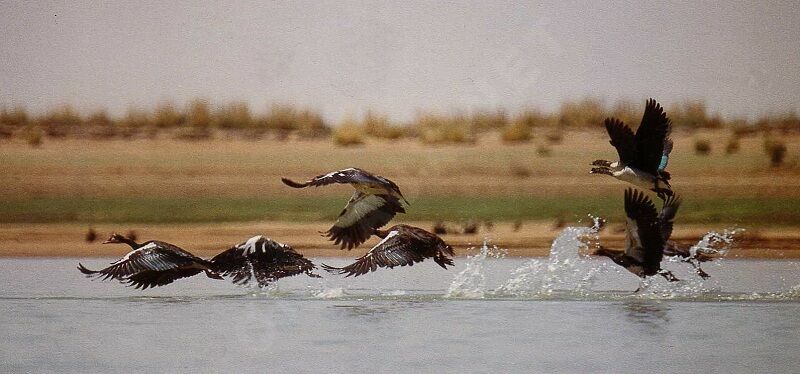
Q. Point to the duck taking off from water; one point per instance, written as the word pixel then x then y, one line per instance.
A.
pixel 643 157
pixel 693 256
pixel 374 203
pixel 401 245
pixel 151 264
pixel 644 241
pixel 263 259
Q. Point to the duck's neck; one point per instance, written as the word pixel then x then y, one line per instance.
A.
pixel 130 242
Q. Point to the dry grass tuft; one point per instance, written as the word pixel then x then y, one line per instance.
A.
pixel 349 133
pixel 516 132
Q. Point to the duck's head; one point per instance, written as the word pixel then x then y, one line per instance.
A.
pixel 116 238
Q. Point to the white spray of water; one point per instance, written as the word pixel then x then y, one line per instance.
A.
pixel 562 270
pixel 471 282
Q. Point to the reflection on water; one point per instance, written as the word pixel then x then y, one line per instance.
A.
pixel 649 313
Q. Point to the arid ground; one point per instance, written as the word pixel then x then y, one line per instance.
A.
pixel 208 195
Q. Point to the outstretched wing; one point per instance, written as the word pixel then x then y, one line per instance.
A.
pixel 263 259
pixel 154 264
pixel 643 239
pixel 651 138
pixel 667 215
pixel 622 139
pixel 400 247
pixel 345 176
pixel 361 216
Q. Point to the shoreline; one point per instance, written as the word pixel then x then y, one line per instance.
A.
pixel 533 239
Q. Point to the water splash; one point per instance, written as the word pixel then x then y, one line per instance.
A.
pixel 330 293
pixel 563 269
pixel 471 282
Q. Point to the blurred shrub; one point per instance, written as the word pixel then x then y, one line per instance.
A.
pixel 379 126
pixel 520 171
pixel 14 119
pixel 349 133
pixel 702 147
pixel 198 115
pixel 784 123
pixel 516 132
pixel 588 112
pixel 733 145
pixel 438 129
pixel 33 135
pixel 164 116
pixel 135 121
pixel 234 116
pixel 489 120
pixel 534 118
pixel 60 122
pixel 287 118
pixel 692 115
pixel 776 150
pixel 627 112
pixel 100 125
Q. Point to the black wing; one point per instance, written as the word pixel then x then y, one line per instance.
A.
pixel 651 138
pixel 153 264
pixel 622 139
pixel 667 215
pixel 345 176
pixel 398 248
pixel 361 216
pixel 643 239
pixel 263 259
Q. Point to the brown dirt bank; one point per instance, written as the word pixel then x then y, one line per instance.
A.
pixel 531 240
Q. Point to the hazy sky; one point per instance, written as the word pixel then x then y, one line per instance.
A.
pixel 343 57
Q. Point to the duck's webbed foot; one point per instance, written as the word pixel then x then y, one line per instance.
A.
pixel 601 170
pixel 668 276
pixel 603 163
pixel 702 273
pixel 662 193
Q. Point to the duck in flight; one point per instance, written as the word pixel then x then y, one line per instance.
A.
pixel 263 259
pixel 374 203
pixel 693 256
pixel 401 245
pixel 643 157
pixel 644 241
pixel 151 264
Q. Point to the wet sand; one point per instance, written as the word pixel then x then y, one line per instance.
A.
pixel 532 239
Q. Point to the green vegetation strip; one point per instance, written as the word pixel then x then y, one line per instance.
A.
pixel 739 211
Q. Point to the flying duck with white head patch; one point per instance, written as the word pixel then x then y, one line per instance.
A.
pixel 374 203
pixel 151 264
pixel 643 157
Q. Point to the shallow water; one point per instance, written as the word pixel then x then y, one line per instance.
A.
pixel 488 314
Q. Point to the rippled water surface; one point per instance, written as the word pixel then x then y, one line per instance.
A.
pixel 565 313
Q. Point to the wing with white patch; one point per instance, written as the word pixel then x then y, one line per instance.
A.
pixel 402 246
pixel 153 264
pixel 643 240
pixel 393 250
pixel 622 139
pixel 361 216
pixel 263 259
pixel 651 138
pixel 344 176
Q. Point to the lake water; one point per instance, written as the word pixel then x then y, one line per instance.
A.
pixel 488 314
